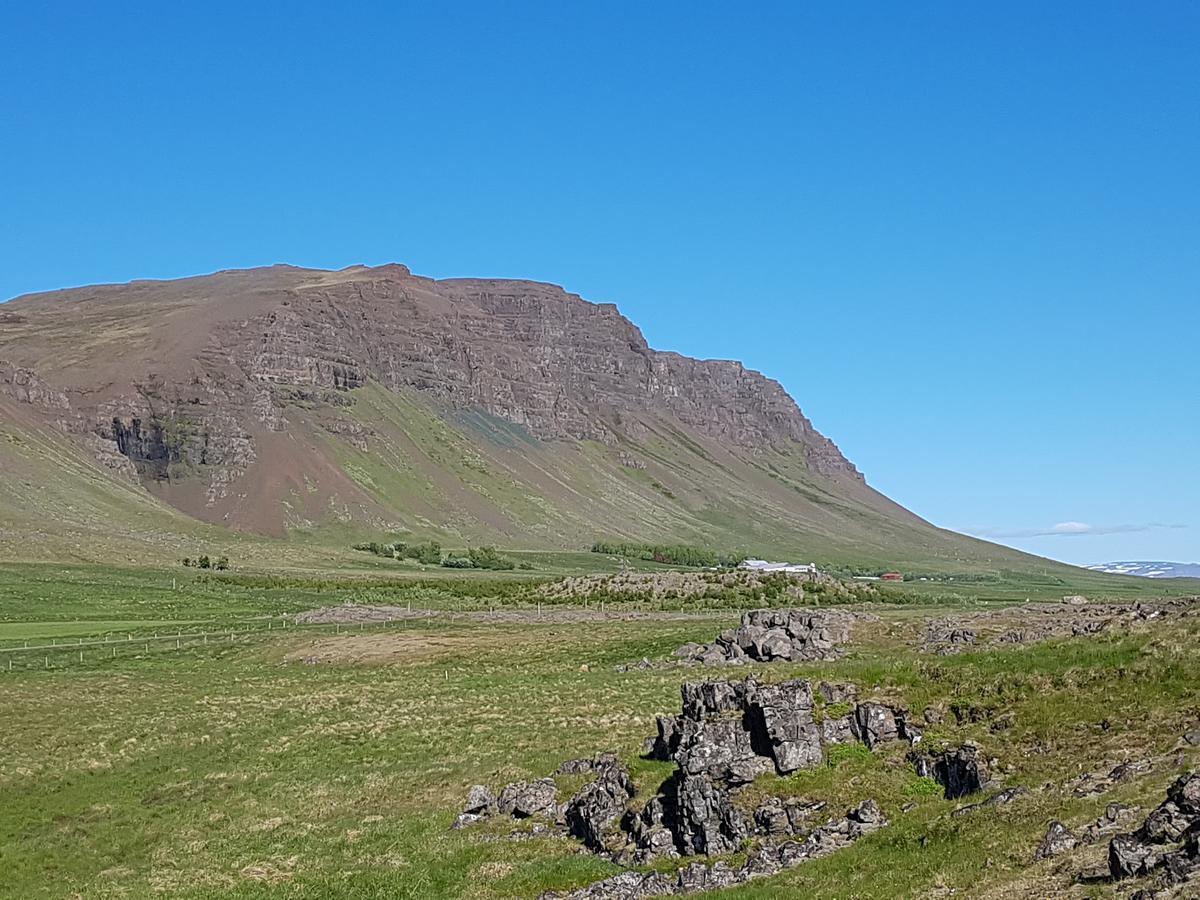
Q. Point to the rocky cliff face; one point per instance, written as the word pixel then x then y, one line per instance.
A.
pixel 186 379
pixel 529 353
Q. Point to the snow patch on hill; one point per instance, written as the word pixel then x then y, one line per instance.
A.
pixel 1150 569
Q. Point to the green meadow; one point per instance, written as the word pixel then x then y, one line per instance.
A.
pixel 320 762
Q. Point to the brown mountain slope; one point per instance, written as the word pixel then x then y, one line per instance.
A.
pixel 369 398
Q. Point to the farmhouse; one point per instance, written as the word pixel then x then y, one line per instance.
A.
pixel 761 565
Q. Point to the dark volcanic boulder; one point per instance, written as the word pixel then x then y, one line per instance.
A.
pixel 781 716
pixel 960 771
pixel 481 803
pixel 523 799
pixel 1168 839
pixel 1185 794
pixel 1129 857
pixel 599 804
pixel 720 749
pixel 708 699
pixel 875 724
pixel 706 821
pixel 1058 839
pixel 666 743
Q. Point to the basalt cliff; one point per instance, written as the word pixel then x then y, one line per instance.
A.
pixel 281 398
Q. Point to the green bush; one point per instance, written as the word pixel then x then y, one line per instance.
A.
pixel 671 554
pixel 487 557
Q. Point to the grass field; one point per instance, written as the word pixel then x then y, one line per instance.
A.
pixel 236 770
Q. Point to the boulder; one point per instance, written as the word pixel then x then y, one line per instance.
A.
pixel 960 771
pixel 781 718
pixel 481 803
pixel 708 699
pixel 1169 838
pixel 522 799
pixel 1129 857
pixel 773 644
pixel 707 822
pixel 1058 839
pixel 480 800
pixel 599 804
pixel 698 877
pixel 666 743
pixel 837 731
pixel 721 749
pixel 713 656
pixel 1185 794
pixel 841 692
pixel 1166 824
pixel 875 724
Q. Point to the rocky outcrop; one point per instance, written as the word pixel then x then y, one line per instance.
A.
pixel 726 735
pixel 523 799
pixel 766 858
pixel 1168 840
pixel 1058 839
pixel 24 386
pixel 591 812
pixel 767 635
pixel 960 771
pixel 732 731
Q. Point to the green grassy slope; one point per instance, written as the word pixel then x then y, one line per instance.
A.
pixel 466 479
pixel 471 478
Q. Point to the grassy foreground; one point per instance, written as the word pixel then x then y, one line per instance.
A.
pixel 236 770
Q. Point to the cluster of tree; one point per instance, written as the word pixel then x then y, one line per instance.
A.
pixel 221 563
pixel 429 553
pixel 672 554
pixel 486 557
pixel 853 571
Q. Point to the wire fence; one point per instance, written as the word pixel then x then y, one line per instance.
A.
pixel 57 653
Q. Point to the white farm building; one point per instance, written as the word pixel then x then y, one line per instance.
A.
pixel 761 565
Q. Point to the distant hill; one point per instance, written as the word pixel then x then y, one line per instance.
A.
pixel 325 405
pixel 1150 569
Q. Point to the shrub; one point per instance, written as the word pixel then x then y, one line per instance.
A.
pixel 487 557
pixel 672 554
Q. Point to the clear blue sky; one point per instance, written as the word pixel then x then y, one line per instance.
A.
pixel 966 237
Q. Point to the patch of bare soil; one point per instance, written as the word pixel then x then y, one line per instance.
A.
pixel 379 649
pixel 355 614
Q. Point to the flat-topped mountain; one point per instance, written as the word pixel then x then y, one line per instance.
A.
pixel 283 398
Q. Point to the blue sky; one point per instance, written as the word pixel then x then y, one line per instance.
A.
pixel 966 238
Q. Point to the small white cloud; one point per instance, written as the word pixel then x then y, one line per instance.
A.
pixel 1072 528
pixel 1066 529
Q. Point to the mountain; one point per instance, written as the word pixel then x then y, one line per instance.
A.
pixel 326 404
pixel 1150 569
